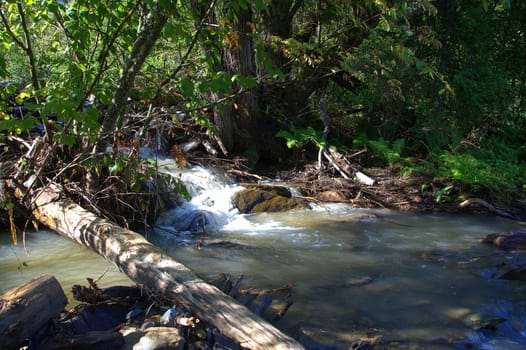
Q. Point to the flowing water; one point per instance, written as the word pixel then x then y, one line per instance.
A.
pixel 45 252
pixel 416 278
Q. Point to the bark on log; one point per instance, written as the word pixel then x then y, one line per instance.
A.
pixel 26 308
pixel 148 265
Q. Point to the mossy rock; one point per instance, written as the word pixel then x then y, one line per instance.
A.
pixel 266 199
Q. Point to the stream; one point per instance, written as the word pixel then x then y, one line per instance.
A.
pixel 412 279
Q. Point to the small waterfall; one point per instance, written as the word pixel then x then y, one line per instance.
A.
pixel 210 207
pixel 422 271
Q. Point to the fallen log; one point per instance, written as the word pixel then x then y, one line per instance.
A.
pixel 490 207
pixel 27 308
pixel 148 265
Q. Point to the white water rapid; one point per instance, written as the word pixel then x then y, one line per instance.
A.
pixel 421 281
pixel 414 277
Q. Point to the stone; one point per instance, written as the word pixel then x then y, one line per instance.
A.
pixel 331 196
pixel 506 240
pixel 266 199
pixel 160 338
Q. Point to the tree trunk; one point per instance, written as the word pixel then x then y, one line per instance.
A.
pixel 239 58
pixel 149 31
pixel 278 22
pixel 28 307
pixel 148 265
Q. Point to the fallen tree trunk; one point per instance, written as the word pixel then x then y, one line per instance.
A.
pixel 148 265
pixel 27 308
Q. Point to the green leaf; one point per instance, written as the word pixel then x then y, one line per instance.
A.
pixel 22 96
pixel 301 136
pixel 18 125
pixel 67 140
pixel 246 82
pixel 187 87
pixel 261 6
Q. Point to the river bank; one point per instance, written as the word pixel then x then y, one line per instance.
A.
pixel 392 190
pixel 361 243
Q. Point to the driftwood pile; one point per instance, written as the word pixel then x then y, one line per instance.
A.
pixel 111 318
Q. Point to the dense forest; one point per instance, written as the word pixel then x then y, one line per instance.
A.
pixel 429 88
pixel 425 93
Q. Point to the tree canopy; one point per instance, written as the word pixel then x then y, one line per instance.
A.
pixel 434 86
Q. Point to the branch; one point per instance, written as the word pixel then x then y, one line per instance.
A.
pixel 329 158
pixel 104 54
pixel 219 101
pixel 189 50
pixel 29 49
pixel 324 116
pixel 10 31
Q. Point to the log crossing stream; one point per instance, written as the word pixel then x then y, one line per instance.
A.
pixel 358 274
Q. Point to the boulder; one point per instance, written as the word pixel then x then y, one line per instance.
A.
pixel 266 198
pixel 332 196
pixel 161 338
pixel 506 240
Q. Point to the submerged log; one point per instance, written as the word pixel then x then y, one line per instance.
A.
pixel 148 265
pixel 491 208
pixel 28 307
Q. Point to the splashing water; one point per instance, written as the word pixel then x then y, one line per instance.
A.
pixel 210 207
pixel 407 277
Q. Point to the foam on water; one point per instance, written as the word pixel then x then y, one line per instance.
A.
pixel 210 205
pixel 420 266
pixel 424 273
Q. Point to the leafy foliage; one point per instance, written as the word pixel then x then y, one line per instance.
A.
pixel 435 85
pixel 426 81
pixel 299 137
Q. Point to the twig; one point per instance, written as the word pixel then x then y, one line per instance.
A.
pixel 246 174
pixel 333 163
pixel 358 153
pixel 20 140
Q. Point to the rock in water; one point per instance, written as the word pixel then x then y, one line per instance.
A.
pixel 507 240
pixel 160 338
pixel 265 199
